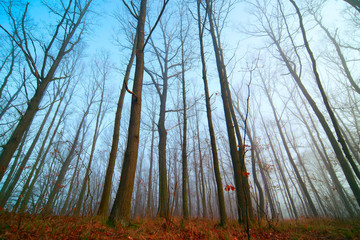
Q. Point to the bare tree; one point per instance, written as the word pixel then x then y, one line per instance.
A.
pixel 165 55
pixel 122 204
pixel 244 204
pixel 274 32
pixel 69 29
pixel 220 193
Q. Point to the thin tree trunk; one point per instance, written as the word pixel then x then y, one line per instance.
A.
pixel 197 188
pixel 203 194
pixel 93 145
pixel 300 160
pixel 65 166
pixel 284 179
pixel 185 207
pixel 149 196
pixel 28 187
pixel 220 192
pixel 243 203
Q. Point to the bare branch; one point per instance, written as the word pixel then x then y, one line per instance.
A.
pixel 157 21
pixel 134 14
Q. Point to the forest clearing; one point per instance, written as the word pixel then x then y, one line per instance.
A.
pixel 16 226
pixel 179 119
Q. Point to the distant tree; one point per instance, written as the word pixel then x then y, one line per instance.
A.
pixel 100 75
pixel 165 55
pixel 292 208
pixel 74 149
pixel 290 157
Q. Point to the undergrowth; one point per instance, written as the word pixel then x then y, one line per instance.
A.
pixel 26 226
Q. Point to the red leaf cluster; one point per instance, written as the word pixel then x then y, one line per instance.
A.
pixel 246 174
pixel 229 187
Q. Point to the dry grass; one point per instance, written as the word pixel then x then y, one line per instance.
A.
pixel 25 226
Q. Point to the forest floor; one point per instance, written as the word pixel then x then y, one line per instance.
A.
pixel 26 226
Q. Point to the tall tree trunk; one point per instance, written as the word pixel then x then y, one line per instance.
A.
pixel 163 185
pixel 184 164
pixel 243 203
pixel 220 192
pixel 105 197
pixel 122 204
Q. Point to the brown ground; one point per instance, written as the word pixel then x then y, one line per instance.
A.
pixel 25 226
